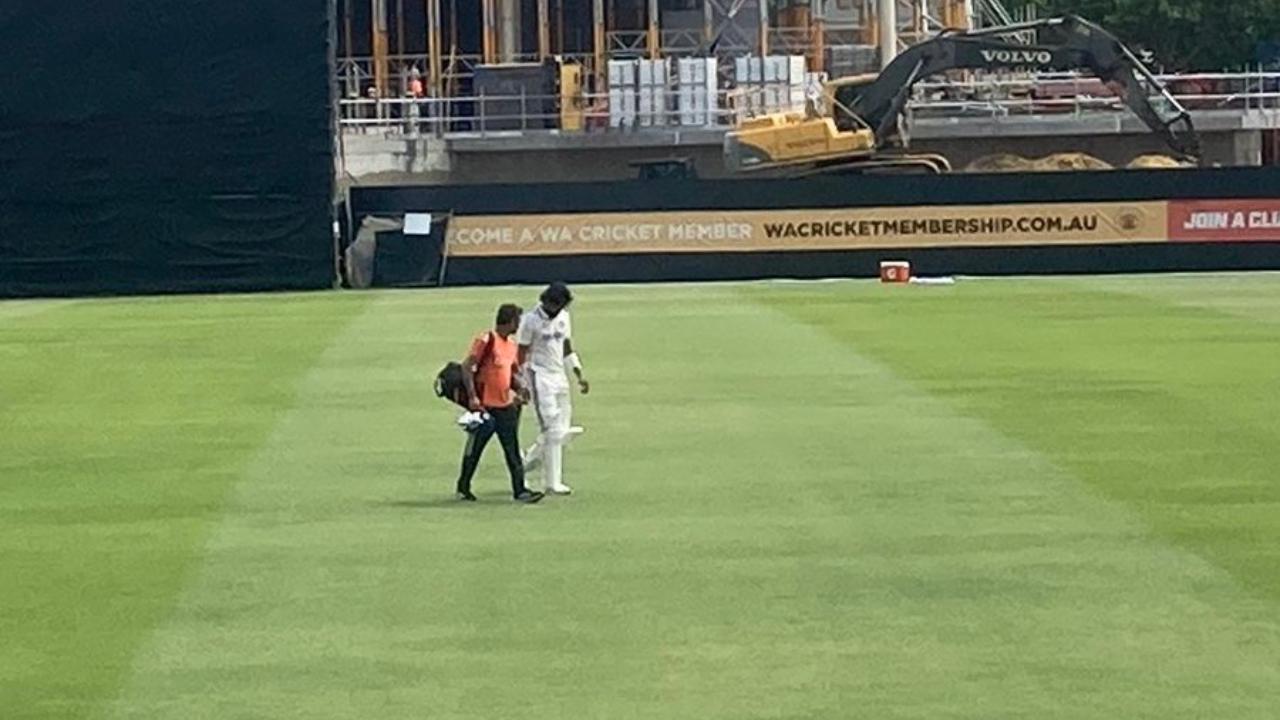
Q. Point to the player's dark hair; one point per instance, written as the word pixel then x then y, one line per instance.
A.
pixel 508 313
pixel 557 293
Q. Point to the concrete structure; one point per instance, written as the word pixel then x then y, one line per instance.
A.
pixel 370 159
pixel 1228 137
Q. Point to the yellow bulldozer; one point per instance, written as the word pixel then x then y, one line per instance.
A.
pixel 854 127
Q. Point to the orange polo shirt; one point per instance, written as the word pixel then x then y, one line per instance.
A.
pixel 494 369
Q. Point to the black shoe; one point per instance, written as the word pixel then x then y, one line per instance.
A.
pixel 465 495
pixel 529 497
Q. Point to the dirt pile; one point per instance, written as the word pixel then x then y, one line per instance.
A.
pixel 1156 162
pixel 1057 162
pixel 1065 162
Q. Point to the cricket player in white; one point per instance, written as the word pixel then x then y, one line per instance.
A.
pixel 546 349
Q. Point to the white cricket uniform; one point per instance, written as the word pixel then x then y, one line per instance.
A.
pixel 549 384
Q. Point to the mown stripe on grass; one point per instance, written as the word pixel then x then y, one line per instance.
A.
pixel 1167 408
pixel 767 524
pixel 125 423
pixel 315 574
pixel 14 309
pixel 1011 588
pixel 1251 296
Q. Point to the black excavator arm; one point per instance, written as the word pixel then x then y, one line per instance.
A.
pixel 1064 43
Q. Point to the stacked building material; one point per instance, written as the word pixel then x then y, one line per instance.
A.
pixel 653 91
pixel 622 93
pixel 771 84
pixel 698 88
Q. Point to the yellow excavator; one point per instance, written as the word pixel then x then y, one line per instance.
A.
pixel 855 129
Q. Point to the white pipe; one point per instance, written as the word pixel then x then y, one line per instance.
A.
pixel 509 30
pixel 887 21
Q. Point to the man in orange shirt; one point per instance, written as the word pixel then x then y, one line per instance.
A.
pixel 488 374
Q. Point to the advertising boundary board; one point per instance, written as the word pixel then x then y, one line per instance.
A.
pixel 799 230
pixel 1155 239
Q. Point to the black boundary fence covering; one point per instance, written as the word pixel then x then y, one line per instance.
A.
pixel 837 192
pixel 167 146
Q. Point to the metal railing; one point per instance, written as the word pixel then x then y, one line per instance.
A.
pixel 486 115
pixel 992 97
pixel 355 76
pixel 684 43
pixel 1067 93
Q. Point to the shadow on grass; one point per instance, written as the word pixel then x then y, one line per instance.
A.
pixel 448 502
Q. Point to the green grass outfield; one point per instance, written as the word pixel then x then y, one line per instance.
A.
pixel 1053 498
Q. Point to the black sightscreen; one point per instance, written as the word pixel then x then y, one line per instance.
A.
pixel 164 146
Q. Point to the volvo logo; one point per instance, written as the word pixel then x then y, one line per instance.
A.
pixel 1017 57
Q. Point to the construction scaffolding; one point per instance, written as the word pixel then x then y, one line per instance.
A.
pixel 442 41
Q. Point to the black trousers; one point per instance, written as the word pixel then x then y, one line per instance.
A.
pixel 506 425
